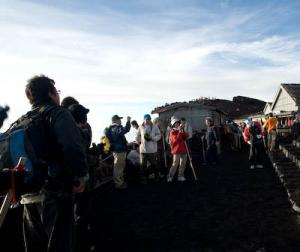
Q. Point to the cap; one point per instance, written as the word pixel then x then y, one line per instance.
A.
pixel 147 117
pixel 116 117
pixel 156 120
pixel 79 112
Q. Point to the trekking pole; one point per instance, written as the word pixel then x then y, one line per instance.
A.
pixel 164 147
pixel 203 150
pixel 5 206
pixel 10 199
pixel 191 161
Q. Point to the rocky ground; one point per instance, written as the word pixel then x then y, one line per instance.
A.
pixel 230 208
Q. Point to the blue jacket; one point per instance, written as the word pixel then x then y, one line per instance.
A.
pixel 116 135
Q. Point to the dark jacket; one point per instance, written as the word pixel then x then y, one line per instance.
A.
pixel 67 158
pixel 116 135
pixel 212 136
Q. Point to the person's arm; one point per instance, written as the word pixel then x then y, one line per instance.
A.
pixel 182 136
pixel 138 136
pixel 127 127
pixel 157 134
pixel 246 135
pixel 69 140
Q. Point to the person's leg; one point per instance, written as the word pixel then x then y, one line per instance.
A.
pixel 273 140
pixel 153 162
pixel 144 160
pixel 174 165
pixel 119 165
pixel 35 236
pixel 182 163
pixel 61 238
pixel 260 155
pixel 251 156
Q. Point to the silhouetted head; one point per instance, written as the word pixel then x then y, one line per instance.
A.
pixel 40 90
pixel 68 101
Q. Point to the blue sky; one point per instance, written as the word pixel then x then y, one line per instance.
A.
pixel 127 57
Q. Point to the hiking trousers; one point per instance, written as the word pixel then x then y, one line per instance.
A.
pixel 119 166
pixel 256 153
pixel 48 225
pixel 178 160
pixel 152 159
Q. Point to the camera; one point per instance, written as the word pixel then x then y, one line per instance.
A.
pixel 147 137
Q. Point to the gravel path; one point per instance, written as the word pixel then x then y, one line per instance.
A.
pixel 230 208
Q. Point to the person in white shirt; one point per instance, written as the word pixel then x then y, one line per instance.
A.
pixel 147 137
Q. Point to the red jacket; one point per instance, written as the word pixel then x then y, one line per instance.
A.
pixel 253 133
pixel 177 141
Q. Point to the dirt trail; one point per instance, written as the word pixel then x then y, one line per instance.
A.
pixel 230 208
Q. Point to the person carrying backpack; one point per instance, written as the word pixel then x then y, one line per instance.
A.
pixel 48 217
pixel 253 135
pixel 116 135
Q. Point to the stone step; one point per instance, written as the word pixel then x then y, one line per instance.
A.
pixel 286 162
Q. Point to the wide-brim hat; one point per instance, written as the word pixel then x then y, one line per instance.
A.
pixel 174 120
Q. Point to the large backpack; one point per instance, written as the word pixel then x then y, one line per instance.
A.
pixel 28 137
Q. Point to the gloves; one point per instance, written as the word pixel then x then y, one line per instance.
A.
pixel 249 142
pixel 147 137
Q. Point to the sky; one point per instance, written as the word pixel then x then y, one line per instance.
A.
pixel 128 57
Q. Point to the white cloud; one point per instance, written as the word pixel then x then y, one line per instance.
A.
pixel 110 58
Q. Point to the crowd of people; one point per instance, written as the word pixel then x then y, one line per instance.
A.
pixel 48 212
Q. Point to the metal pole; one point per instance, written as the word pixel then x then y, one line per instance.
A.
pixel 203 149
pixel 191 161
pixel 164 147
pixel 5 206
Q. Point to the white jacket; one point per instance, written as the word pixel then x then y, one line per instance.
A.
pixel 155 135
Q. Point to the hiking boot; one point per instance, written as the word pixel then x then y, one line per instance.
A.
pixel 123 186
pixel 161 175
pixel 181 179
pixel 260 166
pixel 252 167
pixel 144 181
pixel 169 179
pixel 151 176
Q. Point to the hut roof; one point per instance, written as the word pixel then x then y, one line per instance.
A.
pixel 293 90
pixel 240 105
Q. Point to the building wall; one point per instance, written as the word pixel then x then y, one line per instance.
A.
pixel 194 115
pixel 267 109
pixel 284 103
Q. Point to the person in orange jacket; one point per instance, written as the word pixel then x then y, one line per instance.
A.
pixel 271 125
pixel 178 139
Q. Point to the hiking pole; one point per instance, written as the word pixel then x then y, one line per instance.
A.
pixel 191 161
pixel 10 199
pixel 203 150
pixel 5 206
pixel 164 147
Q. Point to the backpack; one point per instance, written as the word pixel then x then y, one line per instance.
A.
pixel 28 137
pixel 255 131
pixel 106 144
